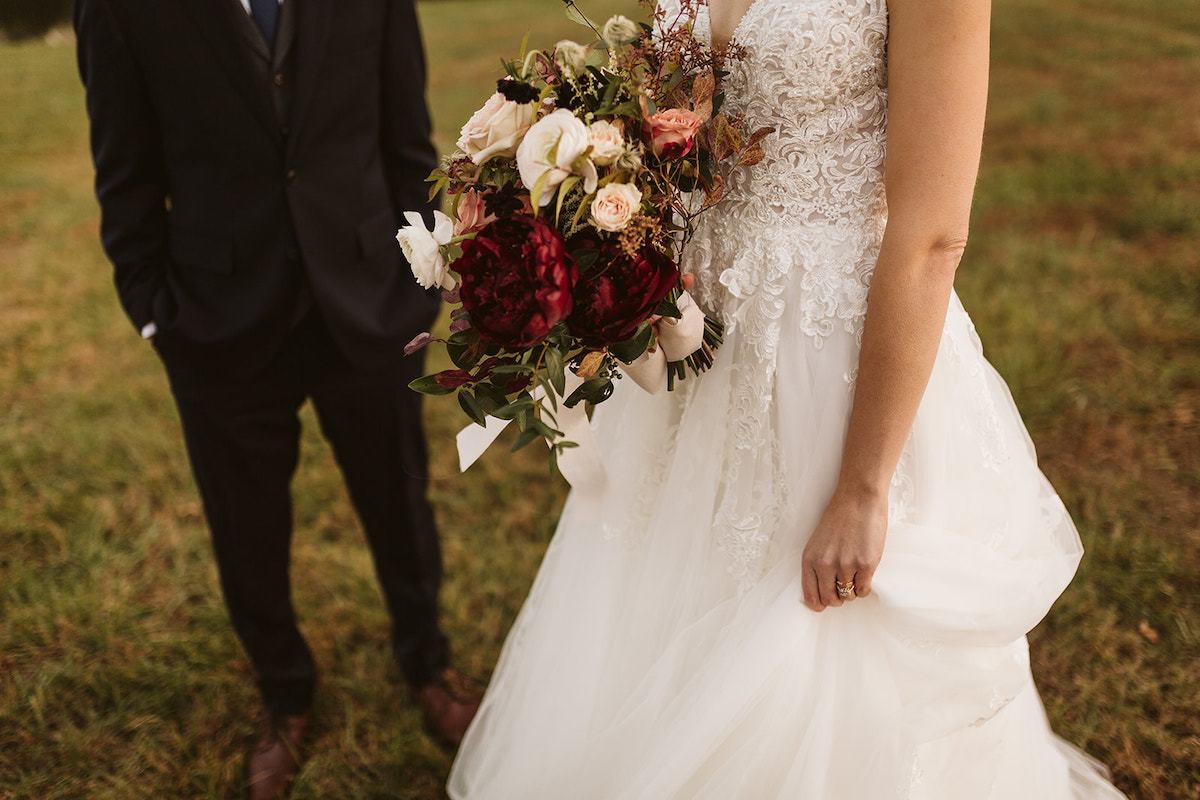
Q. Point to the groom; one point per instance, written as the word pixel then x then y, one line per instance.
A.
pixel 252 160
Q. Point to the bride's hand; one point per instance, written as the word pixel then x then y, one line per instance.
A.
pixel 844 551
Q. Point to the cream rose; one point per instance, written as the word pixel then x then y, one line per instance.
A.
pixel 614 205
pixel 607 142
pixel 423 248
pixel 550 148
pixel 571 57
pixel 496 129
pixel 619 30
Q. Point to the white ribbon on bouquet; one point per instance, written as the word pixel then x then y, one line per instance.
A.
pixel 582 465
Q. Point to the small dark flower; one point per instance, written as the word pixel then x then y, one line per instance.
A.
pixel 505 202
pixel 517 91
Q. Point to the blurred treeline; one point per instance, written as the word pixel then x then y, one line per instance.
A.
pixel 25 19
pixel 22 19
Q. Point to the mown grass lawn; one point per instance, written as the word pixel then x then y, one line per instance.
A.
pixel 119 676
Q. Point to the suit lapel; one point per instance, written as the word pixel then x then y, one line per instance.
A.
pixel 310 36
pixel 218 26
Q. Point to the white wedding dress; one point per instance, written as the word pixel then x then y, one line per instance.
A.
pixel 664 652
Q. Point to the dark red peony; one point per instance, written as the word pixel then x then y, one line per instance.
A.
pixel 516 280
pixel 619 292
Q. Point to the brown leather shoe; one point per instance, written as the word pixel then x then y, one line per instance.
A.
pixel 448 707
pixel 275 758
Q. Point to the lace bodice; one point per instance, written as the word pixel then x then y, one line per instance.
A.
pixel 816 71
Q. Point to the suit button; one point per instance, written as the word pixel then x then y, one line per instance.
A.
pixel 293 254
pixel 277 79
pixel 290 177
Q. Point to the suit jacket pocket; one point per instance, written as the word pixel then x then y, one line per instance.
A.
pixel 377 233
pixel 197 250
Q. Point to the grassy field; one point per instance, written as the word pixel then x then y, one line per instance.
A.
pixel 119 676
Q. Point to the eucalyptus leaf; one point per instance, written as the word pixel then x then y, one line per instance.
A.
pixel 437 187
pixel 490 398
pixel 512 370
pixel 629 350
pixel 594 391
pixel 471 406
pixel 535 194
pixel 528 435
pixel 548 388
pixel 575 15
pixel 585 258
pixel 514 409
pixel 458 354
pixel 669 308
pixel 544 430
pixel 429 385
pixel 556 370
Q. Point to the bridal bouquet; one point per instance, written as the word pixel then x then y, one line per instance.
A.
pixel 573 191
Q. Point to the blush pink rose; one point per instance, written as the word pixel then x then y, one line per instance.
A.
pixel 614 205
pixel 671 133
pixel 471 214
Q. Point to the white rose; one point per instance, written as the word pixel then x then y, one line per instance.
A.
pixel 571 57
pixel 615 205
pixel 423 248
pixel 619 30
pixel 607 142
pixel 550 148
pixel 495 129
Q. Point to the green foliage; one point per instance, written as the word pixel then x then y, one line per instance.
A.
pixel 119 676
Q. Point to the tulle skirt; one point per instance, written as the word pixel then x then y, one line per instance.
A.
pixel 664 652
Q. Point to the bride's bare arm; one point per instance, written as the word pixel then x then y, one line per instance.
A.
pixel 937 92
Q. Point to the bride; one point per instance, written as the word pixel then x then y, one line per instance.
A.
pixel 812 569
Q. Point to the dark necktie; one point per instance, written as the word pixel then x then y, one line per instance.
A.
pixel 265 13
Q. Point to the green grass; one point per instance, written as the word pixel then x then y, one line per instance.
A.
pixel 119 675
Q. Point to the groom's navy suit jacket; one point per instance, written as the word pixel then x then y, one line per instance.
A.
pixel 238 187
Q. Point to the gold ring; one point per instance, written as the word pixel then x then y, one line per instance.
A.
pixel 844 589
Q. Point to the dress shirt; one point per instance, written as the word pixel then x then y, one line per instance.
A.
pixel 246 5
